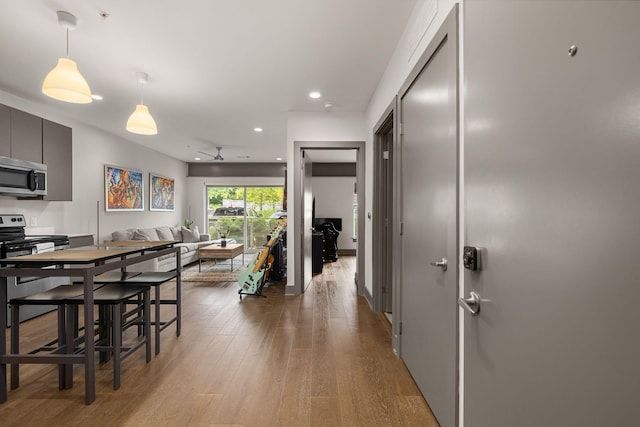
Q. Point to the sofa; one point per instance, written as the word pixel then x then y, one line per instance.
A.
pixel 190 242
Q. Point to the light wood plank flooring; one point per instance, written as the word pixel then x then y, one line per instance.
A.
pixel 319 359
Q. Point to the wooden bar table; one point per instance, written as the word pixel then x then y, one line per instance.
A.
pixel 84 262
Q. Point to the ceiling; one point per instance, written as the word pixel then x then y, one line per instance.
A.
pixel 217 68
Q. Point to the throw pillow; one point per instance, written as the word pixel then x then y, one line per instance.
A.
pixel 190 236
pixel 177 233
pixel 122 235
pixel 164 233
pixel 145 234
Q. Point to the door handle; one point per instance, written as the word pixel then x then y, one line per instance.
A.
pixel 471 304
pixel 442 263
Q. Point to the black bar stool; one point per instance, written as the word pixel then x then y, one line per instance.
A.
pixel 155 279
pixel 116 319
pixel 111 300
pixel 56 296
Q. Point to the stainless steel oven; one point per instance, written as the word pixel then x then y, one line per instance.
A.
pixel 13 242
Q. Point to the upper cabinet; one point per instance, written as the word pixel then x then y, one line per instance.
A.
pixel 5 131
pixel 56 154
pixel 26 136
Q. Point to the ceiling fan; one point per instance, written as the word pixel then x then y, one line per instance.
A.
pixel 216 157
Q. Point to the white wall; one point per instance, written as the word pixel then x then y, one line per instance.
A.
pixel 93 148
pixel 334 199
pixel 327 126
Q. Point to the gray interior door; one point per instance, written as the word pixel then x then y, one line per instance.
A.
pixel 429 292
pixel 552 167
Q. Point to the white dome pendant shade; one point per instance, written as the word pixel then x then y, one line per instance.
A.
pixel 140 121
pixel 64 82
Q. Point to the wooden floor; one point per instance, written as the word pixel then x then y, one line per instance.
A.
pixel 319 359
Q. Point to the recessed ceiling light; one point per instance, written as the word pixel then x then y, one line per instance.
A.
pixel 279 159
pixel 257 129
pixel 196 158
pixel 315 94
pixel 97 97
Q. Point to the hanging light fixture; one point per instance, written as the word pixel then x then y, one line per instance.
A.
pixel 140 121
pixel 64 82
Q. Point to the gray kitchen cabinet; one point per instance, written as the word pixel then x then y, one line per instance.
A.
pixel 26 136
pixel 79 240
pixel 5 131
pixel 57 155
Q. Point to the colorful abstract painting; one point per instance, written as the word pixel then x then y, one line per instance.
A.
pixel 124 190
pixel 161 193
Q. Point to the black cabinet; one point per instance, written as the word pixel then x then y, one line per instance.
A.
pixel 330 237
pixel 317 245
pixel 278 266
pixel 56 154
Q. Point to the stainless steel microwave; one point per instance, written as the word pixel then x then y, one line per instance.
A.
pixel 22 178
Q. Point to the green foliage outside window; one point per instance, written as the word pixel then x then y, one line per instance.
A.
pixel 260 203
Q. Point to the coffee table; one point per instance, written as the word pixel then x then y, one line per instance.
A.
pixel 216 251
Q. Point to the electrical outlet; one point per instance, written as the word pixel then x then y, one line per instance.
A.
pixel 33 221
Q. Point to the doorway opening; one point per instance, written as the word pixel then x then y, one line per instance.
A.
pixel 303 206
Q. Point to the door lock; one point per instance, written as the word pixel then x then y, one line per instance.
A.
pixel 471 258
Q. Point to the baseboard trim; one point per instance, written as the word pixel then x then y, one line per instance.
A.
pixel 368 297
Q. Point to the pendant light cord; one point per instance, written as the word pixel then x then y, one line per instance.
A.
pixel 67 42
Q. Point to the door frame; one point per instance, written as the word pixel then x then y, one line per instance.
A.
pixel 388 119
pixel 298 232
pixel 381 193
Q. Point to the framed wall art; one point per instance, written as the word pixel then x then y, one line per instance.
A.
pixel 124 190
pixel 161 193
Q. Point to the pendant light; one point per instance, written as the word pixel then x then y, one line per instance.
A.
pixel 64 82
pixel 140 121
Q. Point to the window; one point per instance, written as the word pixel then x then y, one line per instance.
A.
pixel 245 214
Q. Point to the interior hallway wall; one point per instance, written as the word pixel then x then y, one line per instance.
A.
pixel 427 17
pixel 327 126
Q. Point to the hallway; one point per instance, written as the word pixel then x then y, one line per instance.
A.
pixel 322 358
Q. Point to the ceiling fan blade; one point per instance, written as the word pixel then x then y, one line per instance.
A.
pixel 213 156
